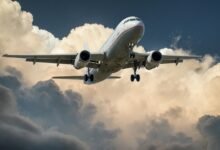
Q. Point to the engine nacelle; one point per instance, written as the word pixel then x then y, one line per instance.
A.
pixel 153 60
pixel 82 59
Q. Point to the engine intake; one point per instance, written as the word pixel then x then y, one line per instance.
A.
pixel 156 56
pixel 84 55
pixel 82 59
pixel 153 60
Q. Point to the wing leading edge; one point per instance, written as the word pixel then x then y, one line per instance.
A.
pixel 59 59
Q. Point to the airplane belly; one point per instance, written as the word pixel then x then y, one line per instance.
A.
pixel 119 50
pixel 99 75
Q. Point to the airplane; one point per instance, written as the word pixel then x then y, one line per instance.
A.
pixel 115 54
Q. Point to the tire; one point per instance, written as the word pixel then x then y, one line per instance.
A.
pixel 91 77
pixel 86 77
pixel 138 77
pixel 132 78
pixel 132 55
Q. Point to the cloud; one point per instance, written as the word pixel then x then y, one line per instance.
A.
pixel 20 36
pixel 63 116
pixel 175 41
pixel 209 127
pixel 160 135
pixel 18 132
pixel 18 33
pixel 8 103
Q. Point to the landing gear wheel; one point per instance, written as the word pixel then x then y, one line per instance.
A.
pixel 135 77
pixel 132 55
pixel 132 78
pixel 86 77
pixel 91 77
pixel 138 77
pixel 131 46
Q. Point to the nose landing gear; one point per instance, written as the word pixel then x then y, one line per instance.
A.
pixel 130 47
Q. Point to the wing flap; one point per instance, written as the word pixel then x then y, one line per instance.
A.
pixel 171 61
pixel 46 60
pixel 175 57
pixel 51 56
pixel 167 59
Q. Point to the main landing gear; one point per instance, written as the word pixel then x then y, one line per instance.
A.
pixel 88 76
pixel 135 75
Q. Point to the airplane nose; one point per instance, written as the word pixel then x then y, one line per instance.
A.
pixel 140 27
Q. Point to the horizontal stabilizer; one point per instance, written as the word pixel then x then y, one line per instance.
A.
pixel 69 77
pixel 81 77
pixel 114 77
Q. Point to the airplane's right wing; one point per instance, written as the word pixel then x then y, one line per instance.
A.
pixel 59 59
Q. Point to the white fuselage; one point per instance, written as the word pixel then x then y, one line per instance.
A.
pixel 116 48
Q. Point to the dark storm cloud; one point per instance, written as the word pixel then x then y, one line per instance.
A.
pixel 13 71
pixel 49 109
pixel 19 137
pixel 18 132
pixel 10 82
pixel 60 118
pixel 160 135
pixel 7 100
pixel 65 111
pixel 209 126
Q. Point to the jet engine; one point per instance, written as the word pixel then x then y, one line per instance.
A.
pixel 82 59
pixel 153 60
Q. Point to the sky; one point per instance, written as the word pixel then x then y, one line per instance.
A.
pixel 196 22
pixel 172 108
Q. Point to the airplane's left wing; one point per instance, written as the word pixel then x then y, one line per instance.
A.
pixel 166 58
pixel 59 59
pixel 142 58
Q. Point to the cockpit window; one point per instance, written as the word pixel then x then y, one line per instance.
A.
pixel 132 19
